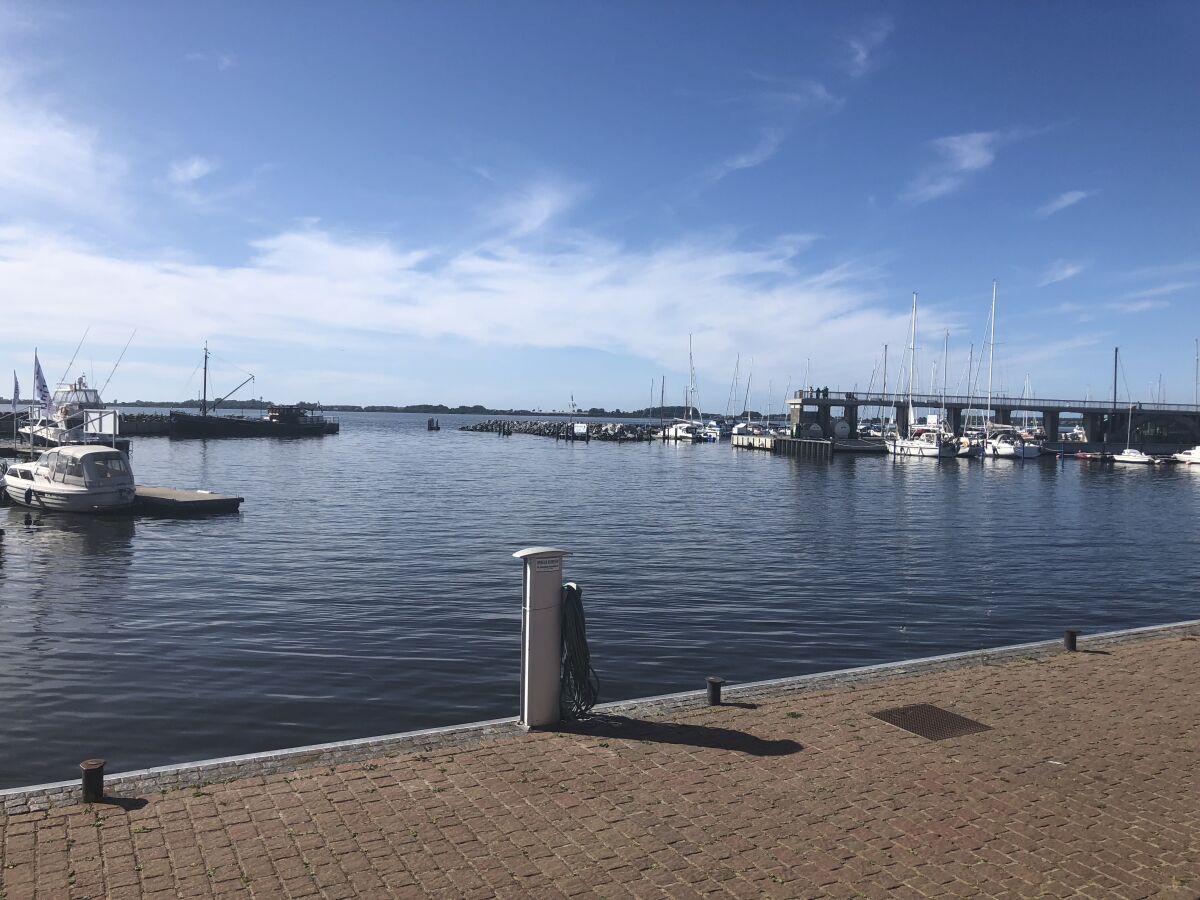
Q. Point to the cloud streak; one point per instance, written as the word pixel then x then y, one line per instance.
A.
pixel 861 48
pixel 768 145
pixel 1060 270
pixel 960 156
pixel 1061 202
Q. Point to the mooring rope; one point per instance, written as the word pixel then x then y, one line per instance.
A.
pixel 580 685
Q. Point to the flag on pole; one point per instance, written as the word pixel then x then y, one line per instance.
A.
pixel 16 391
pixel 41 390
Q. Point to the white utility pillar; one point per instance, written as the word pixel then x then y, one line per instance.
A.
pixel 541 635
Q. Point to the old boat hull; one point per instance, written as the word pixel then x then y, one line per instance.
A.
pixel 188 425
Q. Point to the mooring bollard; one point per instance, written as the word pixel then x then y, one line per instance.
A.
pixel 93 780
pixel 714 689
pixel 1069 637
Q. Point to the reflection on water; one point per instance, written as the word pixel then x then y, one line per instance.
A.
pixel 367 586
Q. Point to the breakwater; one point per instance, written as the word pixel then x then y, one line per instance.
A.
pixel 569 431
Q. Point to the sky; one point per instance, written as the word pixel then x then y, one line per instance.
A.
pixel 516 204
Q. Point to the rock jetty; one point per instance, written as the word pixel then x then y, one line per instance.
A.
pixel 597 431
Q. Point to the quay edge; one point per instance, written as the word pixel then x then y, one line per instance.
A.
pixel 137 783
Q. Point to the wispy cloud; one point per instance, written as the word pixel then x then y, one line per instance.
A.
pixel 48 161
pixel 768 145
pixel 861 47
pixel 959 157
pixel 220 61
pixel 1138 306
pixel 1060 270
pixel 782 93
pixel 1167 270
pixel 515 290
pixel 1162 290
pixel 528 211
pixel 1062 201
pixel 190 170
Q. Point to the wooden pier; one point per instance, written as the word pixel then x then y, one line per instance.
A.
pixel 171 502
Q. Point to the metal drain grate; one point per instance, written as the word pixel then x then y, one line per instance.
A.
pixel 930 722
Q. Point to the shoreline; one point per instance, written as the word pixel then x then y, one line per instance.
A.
pixel 40 797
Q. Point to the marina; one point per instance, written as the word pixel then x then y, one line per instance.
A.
pixel 307 619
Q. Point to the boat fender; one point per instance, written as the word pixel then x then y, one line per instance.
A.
pixel 29 496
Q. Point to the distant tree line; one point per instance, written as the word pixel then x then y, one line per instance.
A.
pixel 595 412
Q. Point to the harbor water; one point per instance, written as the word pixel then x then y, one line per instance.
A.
pixel 367 586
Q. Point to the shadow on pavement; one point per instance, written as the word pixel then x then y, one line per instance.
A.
pixel 625 728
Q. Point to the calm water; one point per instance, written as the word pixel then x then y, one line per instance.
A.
pixel 368 586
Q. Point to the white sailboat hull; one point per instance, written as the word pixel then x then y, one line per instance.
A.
pixel 921 448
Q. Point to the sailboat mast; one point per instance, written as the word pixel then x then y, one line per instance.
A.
pixel 204 395
pixel 912 359
pixel 733 387
pixel 746 402
pixel 1116 364
pixel 991 358
pixel 882 424
pixel 945 371
pixel 662 401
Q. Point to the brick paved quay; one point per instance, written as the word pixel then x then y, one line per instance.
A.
pixel 1085 785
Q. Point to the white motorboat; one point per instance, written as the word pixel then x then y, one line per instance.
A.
pixel 1188 456
pixel 1008 445
pixel 68 415
pixel 1137 457
pixel 44 432
pixel 688 432
pixel 74 478
pixel 923 442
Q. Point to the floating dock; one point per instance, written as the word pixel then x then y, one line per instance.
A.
pixel 172 502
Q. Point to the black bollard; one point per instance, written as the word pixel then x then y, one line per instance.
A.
pixel 714 690
pixel 93 780
pixel 1069 637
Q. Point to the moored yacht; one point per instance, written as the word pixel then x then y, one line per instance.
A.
pixel 67 418
pixel 1010 445
pixel 1137 457
pixel 923 442
pixel 1188 456
pixel 682 431
pixel 74 478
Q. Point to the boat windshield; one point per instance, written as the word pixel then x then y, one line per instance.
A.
pixel 106 467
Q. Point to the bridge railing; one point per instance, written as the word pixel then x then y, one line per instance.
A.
pixel 935 401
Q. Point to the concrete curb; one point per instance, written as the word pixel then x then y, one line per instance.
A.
pixel 161 778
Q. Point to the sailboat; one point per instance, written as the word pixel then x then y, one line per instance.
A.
pixel 921 440
pixel 1001 441
pixel 1132 455
pixel 280 421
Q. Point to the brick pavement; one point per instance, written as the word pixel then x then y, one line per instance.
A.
pixel 1086 785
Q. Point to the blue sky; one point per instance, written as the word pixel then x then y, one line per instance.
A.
pixel 512 203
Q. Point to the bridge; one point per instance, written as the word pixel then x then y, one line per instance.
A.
pixel 1101 421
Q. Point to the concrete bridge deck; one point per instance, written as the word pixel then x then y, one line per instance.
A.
pixel 1099 417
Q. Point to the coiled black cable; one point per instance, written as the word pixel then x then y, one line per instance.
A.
pixel 580 686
